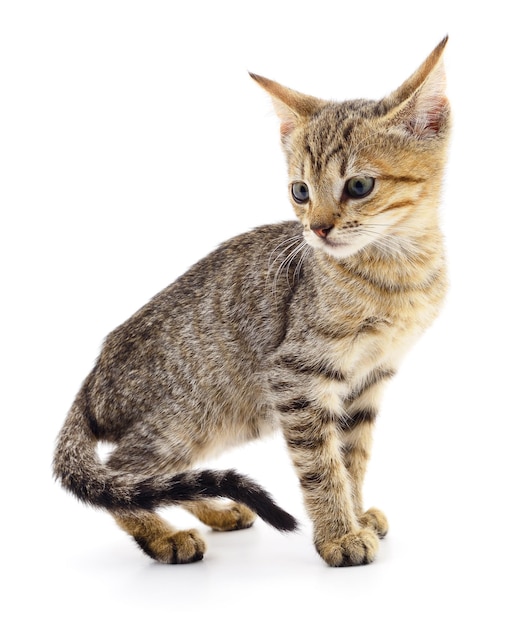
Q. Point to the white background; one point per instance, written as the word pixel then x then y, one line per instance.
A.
pixel 132 142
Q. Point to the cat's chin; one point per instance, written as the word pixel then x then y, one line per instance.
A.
pixel 336 250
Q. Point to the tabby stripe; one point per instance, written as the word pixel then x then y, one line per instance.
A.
pixel 394 287
pixel 92 422
pixel 311 480
pixel 396 205
pixel 362 416
pixel 306 443
pixel 294 405
pixel 368 324
pixel 327 332
pixel 86 406
pixel 315 369
pixel 373 378
pixel 282 385
pixel 403 179
pixel 346 133
pixel 341 276
pixel 380 285
pixel 312 156
pixel 332 153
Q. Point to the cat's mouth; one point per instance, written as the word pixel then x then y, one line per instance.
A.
pixel 335 248
pixel 337 244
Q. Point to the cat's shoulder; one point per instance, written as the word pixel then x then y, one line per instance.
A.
pixel 261 235
pixel 244 253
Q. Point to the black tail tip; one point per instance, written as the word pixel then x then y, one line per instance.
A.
pixel 291 524
pixel 282 521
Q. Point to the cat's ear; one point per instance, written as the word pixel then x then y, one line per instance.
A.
pixel 292 107
pixel 420 106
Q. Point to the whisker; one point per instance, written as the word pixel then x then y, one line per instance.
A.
pixel 285 253
pixel 298 269
pixel 397 245
pixel 286 264
pixel 288 243
pixel 404 242
pixel 384 245
pixel 274 258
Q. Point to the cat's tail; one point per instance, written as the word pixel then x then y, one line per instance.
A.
pixel 77 466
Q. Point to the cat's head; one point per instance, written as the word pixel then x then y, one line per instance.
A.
pixel 366 172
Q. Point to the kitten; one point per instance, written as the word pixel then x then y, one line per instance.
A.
pixel 296 326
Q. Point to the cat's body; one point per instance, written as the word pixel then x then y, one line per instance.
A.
pixel 295 326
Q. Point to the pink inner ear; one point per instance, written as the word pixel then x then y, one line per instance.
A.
pixel 286 127
pixel 436 113
pixel 427 116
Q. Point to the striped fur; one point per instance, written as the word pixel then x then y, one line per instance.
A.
pixel 296 326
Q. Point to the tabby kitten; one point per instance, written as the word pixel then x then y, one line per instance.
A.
pixel 296 326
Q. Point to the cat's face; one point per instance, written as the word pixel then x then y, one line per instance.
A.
pixel 355 180
pixel 365 173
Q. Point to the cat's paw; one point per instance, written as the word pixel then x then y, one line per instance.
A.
pixel 235 517
pixel 183 546
pixel 357 548
pixel 376 521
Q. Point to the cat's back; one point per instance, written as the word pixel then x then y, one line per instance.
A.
pixel 246 278
pixel 223 316
pixel 241 286
pixel 239 293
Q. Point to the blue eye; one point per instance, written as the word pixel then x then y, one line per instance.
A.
pixel 359 186
pixel 300 192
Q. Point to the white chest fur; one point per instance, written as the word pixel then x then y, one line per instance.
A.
pixel 378 347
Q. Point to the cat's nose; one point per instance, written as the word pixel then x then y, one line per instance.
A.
pixel 321 230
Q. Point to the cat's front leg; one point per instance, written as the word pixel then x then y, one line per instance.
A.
pixel 356 435
pixel 314 444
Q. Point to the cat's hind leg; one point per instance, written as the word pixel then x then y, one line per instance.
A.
pixel 156 537
pixel 159 540
pixel 222 516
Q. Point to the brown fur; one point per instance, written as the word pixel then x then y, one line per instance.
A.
pixel 296 326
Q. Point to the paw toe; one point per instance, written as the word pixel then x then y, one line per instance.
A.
pixel 185 546
pixel 353 549
pixel 375 520
pixel 236 517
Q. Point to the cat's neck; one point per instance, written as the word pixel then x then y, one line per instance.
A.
pixel 412 265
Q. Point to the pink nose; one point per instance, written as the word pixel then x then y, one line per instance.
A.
pixel 321 230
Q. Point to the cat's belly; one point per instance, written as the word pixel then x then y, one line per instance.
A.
pixel 227 416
